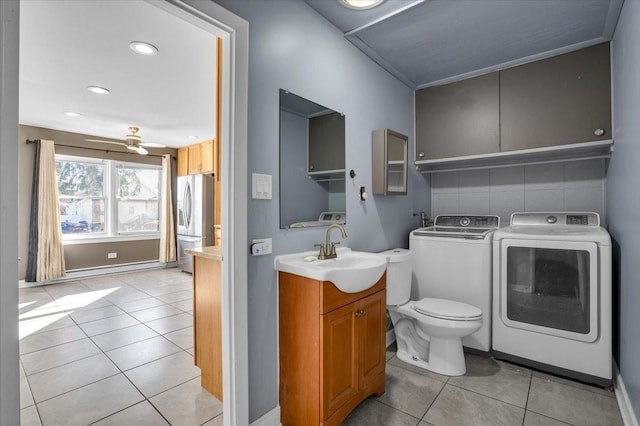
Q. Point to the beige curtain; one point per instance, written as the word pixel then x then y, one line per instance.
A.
pixel 50 257
pixel 167 233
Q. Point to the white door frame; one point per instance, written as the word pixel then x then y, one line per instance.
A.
pixel 9 77
pixel 235 34
pixel 235 73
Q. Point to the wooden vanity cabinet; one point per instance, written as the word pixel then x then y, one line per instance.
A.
pixel 332 349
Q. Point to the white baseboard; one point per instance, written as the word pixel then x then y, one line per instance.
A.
pixel 624 402
pixel 272 418
pixel 99 271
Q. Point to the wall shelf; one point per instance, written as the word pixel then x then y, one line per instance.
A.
pixel 553 154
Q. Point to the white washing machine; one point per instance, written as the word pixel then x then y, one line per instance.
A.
pixel 552 294
pixel 452 260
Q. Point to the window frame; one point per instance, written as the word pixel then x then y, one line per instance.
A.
pixel 110 179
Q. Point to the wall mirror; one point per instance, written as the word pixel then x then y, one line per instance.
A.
pixel 389 155
pixel 312 165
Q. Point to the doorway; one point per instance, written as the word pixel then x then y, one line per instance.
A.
pixel 234 144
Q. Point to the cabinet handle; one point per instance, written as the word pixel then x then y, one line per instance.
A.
pixel 310 166
pixel 421 154
pixel 361 313
pixel 599 132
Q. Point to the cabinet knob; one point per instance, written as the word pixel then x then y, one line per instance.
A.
pixel 599 132
pixel 361 313
pixel 310 166
pixel 421 154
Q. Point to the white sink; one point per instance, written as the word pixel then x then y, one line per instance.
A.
pixel 350 272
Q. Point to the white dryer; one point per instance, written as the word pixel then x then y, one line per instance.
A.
pixel 552 294
pixel 452 260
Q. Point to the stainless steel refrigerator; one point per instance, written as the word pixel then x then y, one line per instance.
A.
pixel 195 216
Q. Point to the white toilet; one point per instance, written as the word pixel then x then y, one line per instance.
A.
pixel 428 332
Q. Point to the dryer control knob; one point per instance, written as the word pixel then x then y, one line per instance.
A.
pixel 552 219
pixel 465 221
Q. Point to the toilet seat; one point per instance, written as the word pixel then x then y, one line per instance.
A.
pixel 447 309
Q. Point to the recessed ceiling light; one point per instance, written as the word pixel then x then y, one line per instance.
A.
pixel 98 90
pixel 143 48
pixel 360 4
pixel 72 114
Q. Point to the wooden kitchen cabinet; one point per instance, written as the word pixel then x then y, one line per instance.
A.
pixel 458 119
pixel 207 322
pixel 195 159
pixel 208 157
pixel 556 101
pixel 200 158
pixel 332 349
pixel 183 161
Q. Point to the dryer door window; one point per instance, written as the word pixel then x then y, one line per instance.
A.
pixel 551 289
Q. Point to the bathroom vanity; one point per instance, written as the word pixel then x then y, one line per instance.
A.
pixel 207 316
pixel 332 348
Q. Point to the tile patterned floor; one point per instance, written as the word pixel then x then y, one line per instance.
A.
pixel 118 350
pixel 114 350
pixel 492 393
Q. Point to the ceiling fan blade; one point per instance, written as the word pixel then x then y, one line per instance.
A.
pixel 153 145
pixel 142 151
pixel 105 141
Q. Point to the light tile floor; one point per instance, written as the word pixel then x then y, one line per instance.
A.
pixel 114 350
pixel 491 393
pixel 118 350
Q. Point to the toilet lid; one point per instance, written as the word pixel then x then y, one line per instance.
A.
pixel 447 309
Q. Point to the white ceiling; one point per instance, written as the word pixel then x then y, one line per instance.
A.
pixel 67 45
pixel 430 42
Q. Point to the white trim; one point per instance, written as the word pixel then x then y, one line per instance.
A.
pixel 234 32
pixel 629 417
pixel 77 274
pixel 272 418
pixel 9 79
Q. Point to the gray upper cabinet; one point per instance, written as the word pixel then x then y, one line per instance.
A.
pixel 458 119
pixel 561 100
pixel 326 143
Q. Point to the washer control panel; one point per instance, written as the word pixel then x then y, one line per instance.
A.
pixel 559 219
pixel 468 221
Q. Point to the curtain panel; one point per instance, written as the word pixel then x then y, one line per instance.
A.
pixel 167 226
pixel 46 252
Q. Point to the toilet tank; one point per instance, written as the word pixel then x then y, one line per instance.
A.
pixel 398 276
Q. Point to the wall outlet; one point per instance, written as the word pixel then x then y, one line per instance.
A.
pixel 112 255
pixel 261 246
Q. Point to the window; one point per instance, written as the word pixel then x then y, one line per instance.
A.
pixel 107 198
pixel 138 192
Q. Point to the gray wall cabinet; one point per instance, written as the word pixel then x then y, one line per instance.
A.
pixel 458 119
pixel 326 143
pixel 561 100
pixel 558 101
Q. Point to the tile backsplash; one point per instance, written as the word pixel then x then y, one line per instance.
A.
pixel 566 186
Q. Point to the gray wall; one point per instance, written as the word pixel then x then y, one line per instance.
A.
pixel 568 186
pixel 294 48
pixel 302 198
pixel 623 202
pixel 9 361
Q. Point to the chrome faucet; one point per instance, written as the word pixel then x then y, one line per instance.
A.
pixel 328 249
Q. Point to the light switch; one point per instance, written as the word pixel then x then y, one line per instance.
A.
pixel 261 186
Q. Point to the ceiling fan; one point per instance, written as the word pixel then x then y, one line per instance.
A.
pixel 132 141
